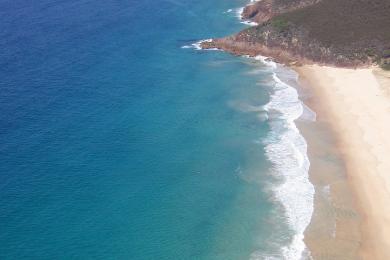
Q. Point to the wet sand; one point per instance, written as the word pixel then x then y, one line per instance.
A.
pixel 349 149
pixel 333 232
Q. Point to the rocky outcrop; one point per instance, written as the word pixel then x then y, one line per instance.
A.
pixel 231 45
pixel 286 45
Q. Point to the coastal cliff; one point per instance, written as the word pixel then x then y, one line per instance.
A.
pixel 346 33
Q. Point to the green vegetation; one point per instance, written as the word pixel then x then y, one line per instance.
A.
pixel 346 22
pixel 342 32
pixel 280 24
pixel 370 52
pixel 385 61
pixel 385 66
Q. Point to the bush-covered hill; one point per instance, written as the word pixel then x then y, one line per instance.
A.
pixel 339 32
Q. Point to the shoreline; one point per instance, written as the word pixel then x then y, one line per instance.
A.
pixel 310 248
pixel 348 221
pixel 356 109
pixel 333 231
pixel 289 155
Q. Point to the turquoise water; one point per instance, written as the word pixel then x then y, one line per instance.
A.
pixel 117 143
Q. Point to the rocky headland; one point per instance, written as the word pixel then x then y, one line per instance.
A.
pixel 345 33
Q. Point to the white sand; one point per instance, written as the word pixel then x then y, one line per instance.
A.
pixel 358 109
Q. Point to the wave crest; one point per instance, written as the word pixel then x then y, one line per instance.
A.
pixel 286 148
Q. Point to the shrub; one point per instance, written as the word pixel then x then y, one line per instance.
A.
pixel 279 23
pixel 386 54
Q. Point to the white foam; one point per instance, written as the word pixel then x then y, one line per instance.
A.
pixel 267 61
pixel 287 150
pixel 249 23
pixel 239 12
pixel 197 45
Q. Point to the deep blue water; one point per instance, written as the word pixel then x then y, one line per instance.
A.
pixel 116 143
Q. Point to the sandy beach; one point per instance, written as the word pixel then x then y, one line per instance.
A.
pixel 355 105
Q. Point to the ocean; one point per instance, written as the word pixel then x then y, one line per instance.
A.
pixel 119 139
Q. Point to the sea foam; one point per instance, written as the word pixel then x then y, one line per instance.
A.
pixel 239 11
pixel 287 150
